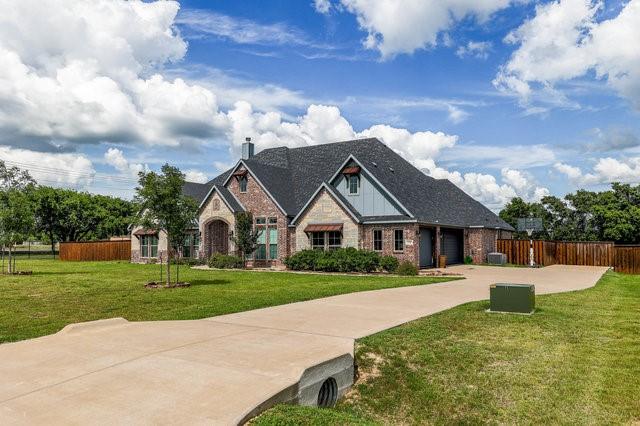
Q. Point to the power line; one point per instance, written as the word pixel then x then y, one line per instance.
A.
pixel 72 173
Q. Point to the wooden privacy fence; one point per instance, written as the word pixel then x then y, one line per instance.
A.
pixel 624 259
pixel 627 259
pixel 96 250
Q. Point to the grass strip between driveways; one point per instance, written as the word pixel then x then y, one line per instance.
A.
pixel 575 361
pixel 60 293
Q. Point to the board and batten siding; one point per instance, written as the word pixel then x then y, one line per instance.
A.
pixel 370 200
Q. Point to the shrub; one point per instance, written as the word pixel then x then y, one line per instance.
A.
pixel 304 260
pixel 389 263
pixel 188 261
pixel 225 261
pixel 407 268
pixel 340 260
pixel 468 260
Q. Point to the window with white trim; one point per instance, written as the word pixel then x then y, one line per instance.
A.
pixel 398 240
pixel 334 240
pixel 353 184
pixel 149 246
pixel 243 183
pixel 325 240
pixel 317 240
pixel 191 245
pixel 377 240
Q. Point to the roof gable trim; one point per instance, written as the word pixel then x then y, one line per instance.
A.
pixel 226 202
pixel 322 186
pixel 255 176
pixel 386 191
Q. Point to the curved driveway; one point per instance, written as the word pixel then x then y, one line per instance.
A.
pixel 224 369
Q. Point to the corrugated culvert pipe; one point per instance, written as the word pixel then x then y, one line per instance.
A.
pixel 328 394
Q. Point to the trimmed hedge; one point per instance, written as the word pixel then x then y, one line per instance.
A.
pixel 225 261
pixel 389 263
pixel 407 268
pixel 341 260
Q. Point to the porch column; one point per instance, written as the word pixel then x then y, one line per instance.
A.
pixel 437 247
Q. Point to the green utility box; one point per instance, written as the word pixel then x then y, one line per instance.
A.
pixel 519 298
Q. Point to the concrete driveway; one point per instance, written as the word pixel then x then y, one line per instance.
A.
pixel 225 369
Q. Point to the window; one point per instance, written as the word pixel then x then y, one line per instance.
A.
pixel 149 246
pixel 317 240
pixel 261 246
pixel 273 242
pixel 353 182
pixel 267 244
pixel 191 245
pixel 216 204
pixel 398 240
pixel 334 239
pixel 330 240
pixel 377 240
pixel 243 183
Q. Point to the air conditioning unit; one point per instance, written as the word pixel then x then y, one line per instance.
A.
pixel 497 258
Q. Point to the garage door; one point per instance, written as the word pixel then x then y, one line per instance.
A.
pixel 451 245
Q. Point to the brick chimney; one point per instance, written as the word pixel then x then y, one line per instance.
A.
pixel 247 149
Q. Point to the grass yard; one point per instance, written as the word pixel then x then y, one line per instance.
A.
pixel 575 361
pixel 61 293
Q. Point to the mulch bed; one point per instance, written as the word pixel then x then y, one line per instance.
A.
pixel 154 284
pixel 19 273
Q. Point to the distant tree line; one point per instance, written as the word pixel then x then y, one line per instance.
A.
pixel 612 215
pixel 29 211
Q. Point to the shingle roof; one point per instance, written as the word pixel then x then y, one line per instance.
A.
pixel 429 200
pixel 198 191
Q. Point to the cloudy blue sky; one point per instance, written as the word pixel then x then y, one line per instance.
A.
pixel 502 97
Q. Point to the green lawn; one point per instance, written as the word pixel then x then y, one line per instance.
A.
pixel 575 361
pixel 60 293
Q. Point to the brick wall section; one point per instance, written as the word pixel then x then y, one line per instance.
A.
pixel 258 202
pixel 325 209
pixel 411 250
pixel 479 242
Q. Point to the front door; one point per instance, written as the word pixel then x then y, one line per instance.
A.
pixel 218 237
pixel 426 243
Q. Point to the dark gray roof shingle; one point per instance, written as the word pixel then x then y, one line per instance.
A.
pixel 292 175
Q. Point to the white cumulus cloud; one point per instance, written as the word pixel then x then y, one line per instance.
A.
pixel 395 27
pixel 605 171
pixel 71 170
pixel 192 175
pixel 565 40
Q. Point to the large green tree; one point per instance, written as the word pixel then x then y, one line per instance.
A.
pixel 68 215
pixel 16 208
pixel 612 215
pixel 163 206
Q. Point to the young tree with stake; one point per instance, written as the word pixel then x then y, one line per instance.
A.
pixel 163 206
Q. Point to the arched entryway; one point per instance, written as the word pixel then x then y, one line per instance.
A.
pixel 216 237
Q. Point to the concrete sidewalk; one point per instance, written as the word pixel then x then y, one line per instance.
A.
pixel 225 369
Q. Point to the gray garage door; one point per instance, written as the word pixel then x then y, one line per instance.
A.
pixel 451 245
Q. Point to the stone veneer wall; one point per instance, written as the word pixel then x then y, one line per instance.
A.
pixel 479 242
pixel 258 202
pixel 135 247
pixel 324 209
pixel 411 250
pixel 214 209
